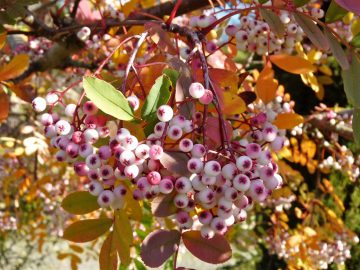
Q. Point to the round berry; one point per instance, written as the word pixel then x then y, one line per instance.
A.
pixel 105 198
pixel 186 145
pixel 39 104
pixel 207 98
pixel 95 188
pixel 244 163
pixel 165 113
pixel 196 90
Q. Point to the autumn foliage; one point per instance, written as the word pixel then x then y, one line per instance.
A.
pixel 151 130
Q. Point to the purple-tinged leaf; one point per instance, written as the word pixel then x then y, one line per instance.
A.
pixel 158 246
pixel 163 205
pixel 175 162
pixel 351 5
pixel 337 50
pixel 215 250
pixel 312 31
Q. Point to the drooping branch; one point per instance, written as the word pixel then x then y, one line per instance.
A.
pixel 67 44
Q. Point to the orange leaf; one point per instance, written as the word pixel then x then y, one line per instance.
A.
pixel 292 64
pixel 226 79
pixel 2 39
pixel 233 104
pixel 4 105
pixel 15 68
pixel 288 120
pixel 266 86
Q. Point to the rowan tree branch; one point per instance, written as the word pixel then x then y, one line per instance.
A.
pixel 67 44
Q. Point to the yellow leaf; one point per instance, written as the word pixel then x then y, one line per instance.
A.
pixel 233 104
pixel 292 64
pixel 266 85
pixel 288 120
pixel 294 240
pixel 76 248
pixel 108 257
pixel 355 27
pixel 326 70
pixel 15 68
pixel 122 236
pixel 308 147
pixel 2 40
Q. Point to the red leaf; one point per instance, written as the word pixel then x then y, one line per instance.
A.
pixel 215 250
pixel 213 131
pixel 158 246
pixel 163 205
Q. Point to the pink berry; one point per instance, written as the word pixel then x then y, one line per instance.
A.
pixel 181 200
pixel 166 186
pixel 134 102
pixel 165 113
pixel 212 168
pixel 186 145
pixel 131 171
pixel 198 151
pixel 63 127
pixel 241 182
pixel 105 198
pixel 195 165
pixel 207 232
pixel 153 178
pixel 253 150
pixel 205 217
pixel 39 104
pixel 174 133
pixel 90 108
pixel 156 152
pixel 207 98
pixel 183 185
pixel 95 188
pixel 142 151
pixel 196 90
pixel 244 163
pixel 104 152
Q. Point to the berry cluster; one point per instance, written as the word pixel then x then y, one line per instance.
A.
pixel 215 191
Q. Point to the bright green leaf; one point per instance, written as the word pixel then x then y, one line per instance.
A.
pixel 334 13
pixel 159 95
pixel 107 98
pixel 79 203
pixel 87 230
pixel 173 75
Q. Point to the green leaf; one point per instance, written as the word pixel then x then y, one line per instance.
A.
pixel 80 203
pixel 108 257
pixel 263 1
pixel 351 82
pixel 173 75
pixel 300 3
pixel 139 265
pixel 334 12
pixel 123 236
pixel 87 230
pixel 356 126
pixel 312 31
pixel 273 21
pixel 107 98
pixel 356 41
pixel 158 95
pixel 337 50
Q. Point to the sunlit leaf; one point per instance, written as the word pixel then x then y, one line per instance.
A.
pixel 80 202
pixel 15 68
pixel 288 120
pixel 351 5
pixel 266 86
pixel 292 64
pixel 87 230
pixel 108 259
pixel 351 81
pixel 334 12
pixel 159 95
pixel 122 236
pixel 233 104
pixel 107 98
pixel 4 104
